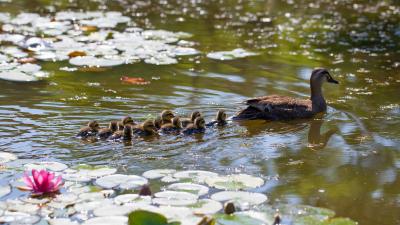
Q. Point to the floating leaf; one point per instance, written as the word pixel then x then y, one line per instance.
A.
pixel 229 55
pixel 196 189
pixel 121 181
pixel 235 182
pixel 141 217
pixel 4 190
pixel 17 76
pixel 158 173
pixel 194 175
pixel 92 61
pixel 174 198
pixel 134 80
pixel 6 157
pixel 240 198
pixel 107 220
pixel 53 166
pixel 205 206
pixel 222 219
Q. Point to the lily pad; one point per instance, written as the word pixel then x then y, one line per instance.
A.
pixel 205 206
pixel 158 173
pixel 174 198
pixel 19 218
pixel 240 198
pixel 6 156
pixel 229 55
pixel 196 189
pixel 142 217
pixel 236 219
pixel 132 199
pixel 107 220
pixel 17 76
pixel 121 181
pixel 197 176
pixel 112 210
pixel 62 221
pixel 235 182
pixel 94 61
pixel 52 166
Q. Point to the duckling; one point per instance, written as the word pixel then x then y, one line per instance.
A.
pixel 276 107
pixel 186 121
pixel 172 128
pixel 125 134
pixel 90 130
pixel 127 120
pixel 105 133
pixel 120 125
pixel 220 119
pixel 166 116
pixel 157 122
pixel 195 128
pixel 147 128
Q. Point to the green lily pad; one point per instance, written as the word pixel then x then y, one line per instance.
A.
pixel 174 198
pixel 196 189
pixel 107 220
pixel 158 173
pixel 240 198
pixel 236 219
pixel 235 182
pixel 141 217
pixel 196 176
pixel 53 166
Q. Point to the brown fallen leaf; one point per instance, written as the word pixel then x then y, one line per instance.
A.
pixel 76 54
pixel 92 69
pixel 27 60
pixel 134 80
pixel 88 28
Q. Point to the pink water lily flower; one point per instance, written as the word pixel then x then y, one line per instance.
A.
pixel 42 182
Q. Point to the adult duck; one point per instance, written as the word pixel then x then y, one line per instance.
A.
pixel 275 107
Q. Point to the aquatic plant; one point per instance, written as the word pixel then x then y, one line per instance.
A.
pixel 42 182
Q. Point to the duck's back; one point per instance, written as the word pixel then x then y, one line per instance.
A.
pixel 275 107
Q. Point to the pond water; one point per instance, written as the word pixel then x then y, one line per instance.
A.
pixel 348 160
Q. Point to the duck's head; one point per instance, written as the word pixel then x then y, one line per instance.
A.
pixel 94 125
pixel 113 126
pixel 167 115
pixel 157 122
pixel 127 120
pixel 194 115
pixel 148 126
pixel 221 115
pixel 176 122
pixel 199 123
pixel 321 75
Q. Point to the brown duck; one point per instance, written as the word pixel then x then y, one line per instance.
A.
pixel 147 128
pixel 186 121
pixel 125 134
pixel 105 133
pixel 90 130
pixel 275 107
pixel 127 120
pixel 166 116
pixel 197 127
pixel 172 128
pixel 220 119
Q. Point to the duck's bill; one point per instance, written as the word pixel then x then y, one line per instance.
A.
pixel 331 80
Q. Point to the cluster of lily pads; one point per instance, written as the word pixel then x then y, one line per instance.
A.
pixel 94 195
pixel 87 39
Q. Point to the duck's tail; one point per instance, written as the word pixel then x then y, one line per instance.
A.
pixel 250 113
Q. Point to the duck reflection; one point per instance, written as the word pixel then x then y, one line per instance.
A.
pixel 316 138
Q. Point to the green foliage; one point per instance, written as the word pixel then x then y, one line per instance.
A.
pixel 142 217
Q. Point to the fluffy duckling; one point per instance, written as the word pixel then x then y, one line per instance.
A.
pixel 172 128
pixel 275 107
pixel 120 125
pixel 195 128
pixel 147 128
pixel 90 130
pixel 220 119
pixel 105 133
pixel 125 134
pixel 186 121
pixel 157 122
pixel 127 120
pixel 166 116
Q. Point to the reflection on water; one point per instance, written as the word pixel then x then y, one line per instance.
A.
pixel 347 160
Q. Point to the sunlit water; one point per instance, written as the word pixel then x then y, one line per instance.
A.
pixel 347 161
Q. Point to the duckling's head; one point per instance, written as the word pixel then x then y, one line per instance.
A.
pixel 194 115
pixel 167 115
pixel 148 126
pixel 321 75
pixel 94 125
pixel 127 120
pixel 157 122
pixel 221 115
pixel 199 123
pixel 127 131
pixel 113 126
pixel 176 122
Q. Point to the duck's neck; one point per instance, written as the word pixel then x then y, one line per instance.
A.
pixel 317 99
